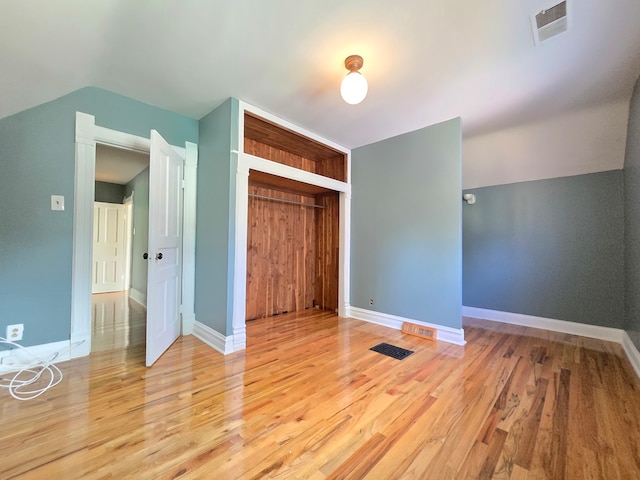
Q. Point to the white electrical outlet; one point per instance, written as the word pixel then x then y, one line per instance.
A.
pixel 14 332
pixel 57 202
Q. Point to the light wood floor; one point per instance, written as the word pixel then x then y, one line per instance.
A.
pixel 118 321
pixel 309 400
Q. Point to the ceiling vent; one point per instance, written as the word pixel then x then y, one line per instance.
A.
pixel 549 22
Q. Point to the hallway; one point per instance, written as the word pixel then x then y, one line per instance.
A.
pixel 117 321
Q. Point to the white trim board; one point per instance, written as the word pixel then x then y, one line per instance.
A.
pixel 616 335
pixel 562 326
pixel 214 339
pixel 138 297
pixel 445 334
pixel 15 359
pixel 632 353
pixel 285 171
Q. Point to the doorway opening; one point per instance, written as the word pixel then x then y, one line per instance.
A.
pixel 172 194
pixel 120 235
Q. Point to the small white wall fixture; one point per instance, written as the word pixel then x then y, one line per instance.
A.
pixel 87 135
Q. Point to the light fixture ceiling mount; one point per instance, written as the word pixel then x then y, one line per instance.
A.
pixel 354 86
pixel 353 63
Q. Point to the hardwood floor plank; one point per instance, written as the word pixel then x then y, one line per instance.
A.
pixel 359 464
pixel 530 423
pixel 556 466
pixel 502 408
pixel 475 460
pixel 493 455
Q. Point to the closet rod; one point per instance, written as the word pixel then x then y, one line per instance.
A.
pixel 281 200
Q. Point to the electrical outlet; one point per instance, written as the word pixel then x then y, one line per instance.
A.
pixel 57 202
pixel 14 332
pixel 371 301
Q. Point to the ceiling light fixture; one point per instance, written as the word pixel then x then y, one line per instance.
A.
pixel 354 86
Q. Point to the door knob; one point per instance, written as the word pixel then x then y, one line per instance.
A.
pixel 145 255
pixel 159 256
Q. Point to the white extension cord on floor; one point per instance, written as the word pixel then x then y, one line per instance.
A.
pixel 27 374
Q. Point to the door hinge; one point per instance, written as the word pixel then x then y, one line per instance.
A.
pixel 181 310
pixel 183 183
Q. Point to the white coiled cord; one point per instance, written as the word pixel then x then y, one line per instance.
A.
pixel 20 385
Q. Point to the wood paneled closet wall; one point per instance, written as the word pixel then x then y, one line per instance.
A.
pixel 293 227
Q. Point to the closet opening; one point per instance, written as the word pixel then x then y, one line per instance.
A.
pixel 292 247
pixel 293 230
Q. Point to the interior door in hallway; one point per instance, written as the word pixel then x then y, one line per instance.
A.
pixel 164 247
pixel 109 244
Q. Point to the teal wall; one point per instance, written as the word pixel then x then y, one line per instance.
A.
pixel 139 186
pixel 406 241
pixel 548 248
pixel 632 220
pixel 109 192
pixel 215 217
pixel 37 157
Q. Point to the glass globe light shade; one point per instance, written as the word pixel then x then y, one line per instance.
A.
pixel 354 88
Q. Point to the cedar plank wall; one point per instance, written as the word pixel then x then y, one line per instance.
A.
pixel 270 153
pixel 327 246
pixel 268 140
pixel 281 253
pixel 292 250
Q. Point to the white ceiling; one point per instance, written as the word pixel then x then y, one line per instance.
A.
pixel 114 165
pixel 426 60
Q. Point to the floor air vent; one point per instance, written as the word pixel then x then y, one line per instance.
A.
pixel 549 22
pixel 391 351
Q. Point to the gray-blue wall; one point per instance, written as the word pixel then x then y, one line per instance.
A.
pixel 139 186
pixel 109 192
pixel 406 226
pixel 37 158
pixel 214 233
pixel 632 220
pixel 548 248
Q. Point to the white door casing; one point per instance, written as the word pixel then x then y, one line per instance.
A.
pixel 128 205
pixel 164 247
pixel 87 134
pixel 109 247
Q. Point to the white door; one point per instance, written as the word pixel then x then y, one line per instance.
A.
pixel 164 248
pixel 109 247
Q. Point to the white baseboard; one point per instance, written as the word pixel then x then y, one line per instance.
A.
pixel 16 358
pixel 562 326
pixel 446 334
pixel 215 339
pixel 632 353
pixel 80 345
pixel 239 341
pixel 211 337
pixel 138 296
pixel 582 329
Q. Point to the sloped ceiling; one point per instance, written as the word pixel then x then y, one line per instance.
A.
pixel 426 60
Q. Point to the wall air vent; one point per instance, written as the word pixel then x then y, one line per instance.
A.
pixel 549 22
pixel 420 330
